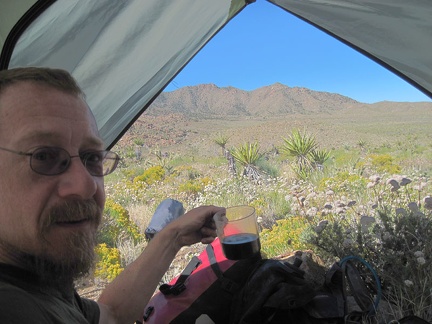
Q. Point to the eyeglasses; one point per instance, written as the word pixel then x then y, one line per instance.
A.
pixel 55 160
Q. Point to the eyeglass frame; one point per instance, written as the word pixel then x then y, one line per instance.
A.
pixel 84 161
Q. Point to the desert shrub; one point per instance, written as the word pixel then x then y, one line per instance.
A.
pixel 267 168
pixel 343 183
pixel 151 175
pixel 268 197
pixel 194 186
pixel 126 192
pixel 383 163
pixel 227 192
pixel 139 141
pixel 187 172
pixel 185 169
pixel 260 205
pixel 108 264
pixel 131 173
pixel 404 247
pixel 117 224
pixel 393 235
pixel 284 236
pixel 129 153
pixel 130 250
pixel 277 204
pixel 342 158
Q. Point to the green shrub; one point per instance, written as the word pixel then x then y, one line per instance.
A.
pixel 139 141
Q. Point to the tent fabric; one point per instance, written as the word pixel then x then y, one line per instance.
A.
pixel 10 13
pixel 122 53
pixel 395 33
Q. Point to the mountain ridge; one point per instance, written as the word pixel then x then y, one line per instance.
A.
pixel 184 118
pixel 209 100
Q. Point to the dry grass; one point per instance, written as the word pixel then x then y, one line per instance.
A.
pixel 141 215
pixel 382 125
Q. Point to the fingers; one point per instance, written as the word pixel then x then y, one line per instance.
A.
pixel 208 232
pixel 197 225
pixel 207 240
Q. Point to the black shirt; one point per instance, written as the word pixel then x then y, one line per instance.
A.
pixel 24 300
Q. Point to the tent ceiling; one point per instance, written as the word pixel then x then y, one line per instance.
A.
pixel 124 53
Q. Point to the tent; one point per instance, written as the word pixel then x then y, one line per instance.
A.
pixel 124 53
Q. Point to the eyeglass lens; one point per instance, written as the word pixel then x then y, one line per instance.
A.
pixel 54 160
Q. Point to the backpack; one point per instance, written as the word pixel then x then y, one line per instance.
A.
pixel 206 286
pixel 212 289
pixel 277 292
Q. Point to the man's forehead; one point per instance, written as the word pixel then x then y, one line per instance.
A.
pixel 41 111
pixel 37 135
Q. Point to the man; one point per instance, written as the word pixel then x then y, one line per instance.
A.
pixel 52 163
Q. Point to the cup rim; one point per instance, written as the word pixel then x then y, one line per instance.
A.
pixel 241 206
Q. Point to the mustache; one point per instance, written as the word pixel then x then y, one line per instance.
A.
pixel 73 211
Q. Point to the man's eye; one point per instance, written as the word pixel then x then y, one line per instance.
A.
pixel 45 155
pixel 93 157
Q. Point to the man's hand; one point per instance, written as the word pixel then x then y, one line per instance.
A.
pixel 195 226
pixel 123 301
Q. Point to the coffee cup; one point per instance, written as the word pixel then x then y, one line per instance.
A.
pixel 237 230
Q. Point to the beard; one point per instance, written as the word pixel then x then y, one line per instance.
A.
pixel 75 257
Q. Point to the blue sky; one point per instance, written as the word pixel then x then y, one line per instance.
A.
pixel 255 50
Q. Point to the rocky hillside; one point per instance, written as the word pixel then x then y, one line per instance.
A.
pixel 209 100
pixel 184 119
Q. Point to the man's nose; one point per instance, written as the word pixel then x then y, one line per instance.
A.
pixel 77 181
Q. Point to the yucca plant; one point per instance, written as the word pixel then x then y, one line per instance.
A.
pixel 221 140
pixel 300 146
pixel 319 157
pixel 163 159
pixel 247 156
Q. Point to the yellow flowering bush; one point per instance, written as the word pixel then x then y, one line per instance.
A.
pixel 260 204
pixel 343 182
pixel 284 236
pixel 194 186
pixel 383 163
pixel 151 175
pixel 109 262
pixel 116 223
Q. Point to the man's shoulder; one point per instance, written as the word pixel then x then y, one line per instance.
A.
pixel 17 305
pixel 8 289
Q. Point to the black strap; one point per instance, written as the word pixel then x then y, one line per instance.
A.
pixel 358 287
pixel 179 285
pixel 227 284
pixel 335 281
